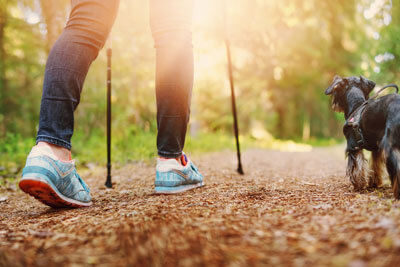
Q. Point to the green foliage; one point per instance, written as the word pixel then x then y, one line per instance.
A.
pixel 13 152
pixel 388 43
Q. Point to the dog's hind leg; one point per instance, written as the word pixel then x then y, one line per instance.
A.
pixel 356 169
pixel 377 166
pixel 391 144
pixel 392 165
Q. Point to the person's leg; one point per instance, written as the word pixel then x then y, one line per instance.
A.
pixel 86 31
pixel 49 174
pixel 171 22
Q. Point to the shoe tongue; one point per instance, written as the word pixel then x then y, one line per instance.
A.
pixel 184 159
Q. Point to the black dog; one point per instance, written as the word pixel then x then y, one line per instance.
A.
pixel 371 124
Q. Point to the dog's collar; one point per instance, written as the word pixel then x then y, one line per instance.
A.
pixel 354 120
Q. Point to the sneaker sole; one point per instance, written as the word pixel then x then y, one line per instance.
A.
pixel 45 193
pixel 176 189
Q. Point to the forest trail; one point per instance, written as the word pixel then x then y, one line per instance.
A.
pixel 288 209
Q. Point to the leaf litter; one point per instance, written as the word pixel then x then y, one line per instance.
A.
pixel 289 209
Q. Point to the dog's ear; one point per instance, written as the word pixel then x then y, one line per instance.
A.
pixel 337 83
pixel 366 85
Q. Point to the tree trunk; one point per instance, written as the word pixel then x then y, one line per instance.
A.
pixel 306 127
pixel 3 79
pixel 281 122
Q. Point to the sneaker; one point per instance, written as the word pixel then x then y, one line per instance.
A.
pixel 52 181
pixel 172 177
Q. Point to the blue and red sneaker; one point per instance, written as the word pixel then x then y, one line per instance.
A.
pixel 173 177
pixel 52 181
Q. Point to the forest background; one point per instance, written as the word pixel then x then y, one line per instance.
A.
pixel 285 53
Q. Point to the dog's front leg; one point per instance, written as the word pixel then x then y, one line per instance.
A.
pixel 377 166
pixel 356 169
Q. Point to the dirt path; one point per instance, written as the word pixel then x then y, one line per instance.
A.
pixel 289 209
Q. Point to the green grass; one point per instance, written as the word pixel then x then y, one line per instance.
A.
pixel 13 152
pixel 131 146
pixel 322 142
pixel 135 145
pixel 141 146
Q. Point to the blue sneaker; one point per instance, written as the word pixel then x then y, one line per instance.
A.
pixel 53 182
pixel 173 178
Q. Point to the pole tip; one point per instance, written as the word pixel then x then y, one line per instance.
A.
pixel 240 169
pixel 108 183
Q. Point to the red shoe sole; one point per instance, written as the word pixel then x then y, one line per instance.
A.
pixel 47 195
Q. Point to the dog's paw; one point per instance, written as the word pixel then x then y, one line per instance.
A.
pixel 374 183
pixel 358 181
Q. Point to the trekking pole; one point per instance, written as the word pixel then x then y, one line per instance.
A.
pixel 109 53
pixel 233 98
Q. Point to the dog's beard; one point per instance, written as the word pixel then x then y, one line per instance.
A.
pixel 336 105
pixel 357 169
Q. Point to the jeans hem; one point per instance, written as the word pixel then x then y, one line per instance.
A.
pixel 53 140
pixel 169 154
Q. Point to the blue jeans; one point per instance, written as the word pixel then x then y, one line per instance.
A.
pixel 85 34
